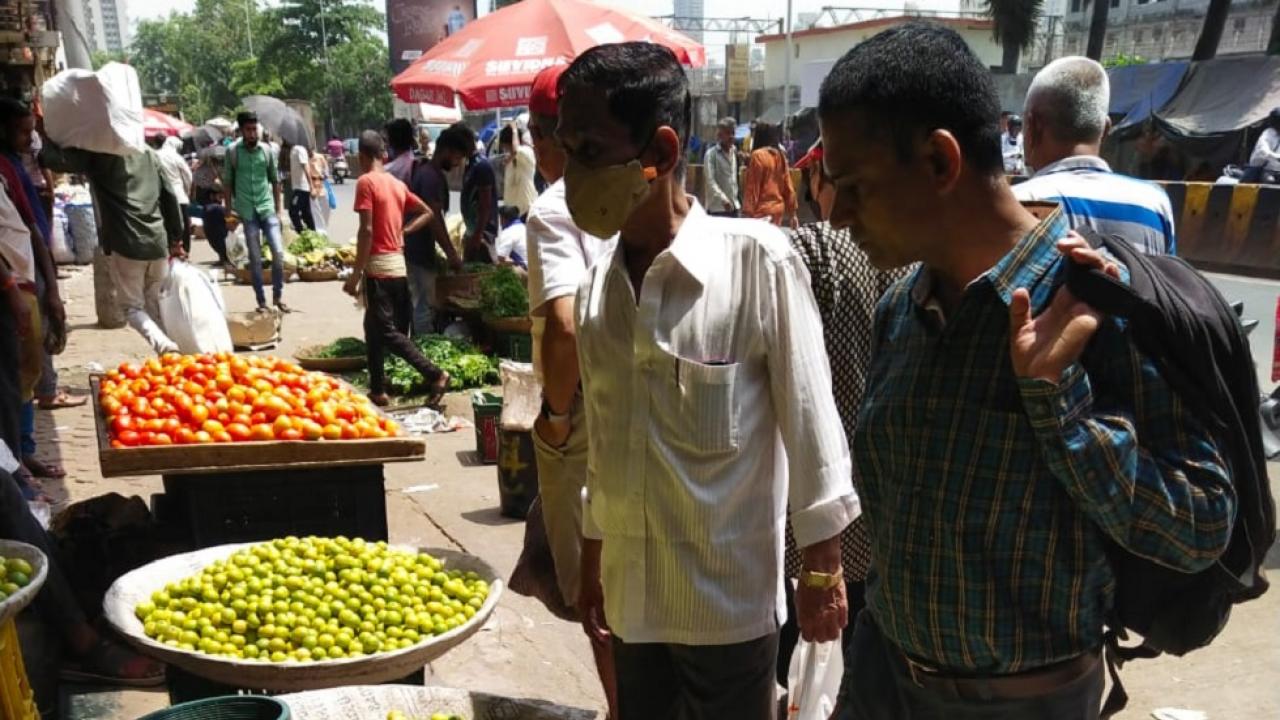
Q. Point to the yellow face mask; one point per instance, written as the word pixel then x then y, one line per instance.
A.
pixel 601 199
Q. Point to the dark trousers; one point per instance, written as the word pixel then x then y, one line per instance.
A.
pixel 56 601
pixel 878 686
pixel 387 313
pixel 696 682
pixel 186 227
pixel 215 229
pixel 300 211
pixel 10 391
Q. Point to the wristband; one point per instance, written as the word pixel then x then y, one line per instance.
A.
pixel 820 580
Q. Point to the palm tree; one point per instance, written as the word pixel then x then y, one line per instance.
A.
pixel 1097 29
pixel 1215 21
pixel 1014 26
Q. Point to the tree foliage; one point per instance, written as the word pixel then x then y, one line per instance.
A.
pixel 204 58
pixel 1014 24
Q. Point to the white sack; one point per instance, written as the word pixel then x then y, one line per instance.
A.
pixel 192 311
pixel 100 112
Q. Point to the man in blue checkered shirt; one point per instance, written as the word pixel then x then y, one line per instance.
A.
pixel 1008 432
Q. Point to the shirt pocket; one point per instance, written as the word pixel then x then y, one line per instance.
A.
pixel 708 404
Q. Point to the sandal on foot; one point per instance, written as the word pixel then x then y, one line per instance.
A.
pixel 106 663
pixel 48 471
pixel 62 399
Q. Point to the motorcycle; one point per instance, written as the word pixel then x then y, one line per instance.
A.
pixel 341 171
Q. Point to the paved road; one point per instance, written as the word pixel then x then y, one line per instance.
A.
pixel 1259 298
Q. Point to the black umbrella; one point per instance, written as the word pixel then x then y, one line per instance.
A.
pixel 216 152
pixel 282 121
pixel 205 136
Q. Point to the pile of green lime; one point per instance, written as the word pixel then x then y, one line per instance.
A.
pixel 16 574
pixel 309 599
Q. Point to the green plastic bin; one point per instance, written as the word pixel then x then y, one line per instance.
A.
pixel 232 707
pixel 487 408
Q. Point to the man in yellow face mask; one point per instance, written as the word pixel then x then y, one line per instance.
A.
pixel 700 347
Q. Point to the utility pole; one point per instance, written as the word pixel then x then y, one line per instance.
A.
pixel 328 68
pixel 786 71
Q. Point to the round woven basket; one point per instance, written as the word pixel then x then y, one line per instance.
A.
pixel 244 277
pixel 317 275
pixel 307 359
pixel 136 586
pixel 14 604
pixel 521 324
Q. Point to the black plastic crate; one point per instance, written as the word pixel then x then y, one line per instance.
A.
pixel 221 508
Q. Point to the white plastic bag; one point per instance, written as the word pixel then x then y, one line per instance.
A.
pixel 813 680
pixel 60 244
pixel 82 225
pixel 101 111
pixel 192 311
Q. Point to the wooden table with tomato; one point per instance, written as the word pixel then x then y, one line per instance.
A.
pixel 225 428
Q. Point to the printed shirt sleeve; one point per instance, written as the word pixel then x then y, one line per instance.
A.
pixel 821 495
pixel 364 194
pixel 1133 456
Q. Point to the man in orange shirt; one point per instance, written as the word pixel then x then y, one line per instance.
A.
pixel 382 201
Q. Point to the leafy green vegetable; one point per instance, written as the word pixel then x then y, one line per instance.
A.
pixel 467 367
pixel 345 347
pixel 308 241
pixel 503 294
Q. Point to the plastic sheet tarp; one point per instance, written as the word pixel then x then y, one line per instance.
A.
pixel 1222 96
pixel 1139 91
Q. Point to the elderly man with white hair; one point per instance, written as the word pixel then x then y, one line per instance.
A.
pixel 1065 121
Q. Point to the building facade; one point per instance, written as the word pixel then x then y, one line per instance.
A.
pixel 820 44
pixel 1166 29
pixel 692 10
pixel 105 25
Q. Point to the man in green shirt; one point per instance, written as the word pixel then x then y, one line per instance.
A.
pixel 139 226
pixel 252 181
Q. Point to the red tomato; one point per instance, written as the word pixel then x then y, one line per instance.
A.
pixel 239 431
pixel 161 439
pixel 290 434
pixel 128 438
pixel 121 424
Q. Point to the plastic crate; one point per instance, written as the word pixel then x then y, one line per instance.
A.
pixel 487 408
pixel 517 472
pixel 17 700
pixel 233 707
pixel 221 508
pixel 514 346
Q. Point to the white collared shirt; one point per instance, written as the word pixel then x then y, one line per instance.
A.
pixel 692 393
pixel 558 254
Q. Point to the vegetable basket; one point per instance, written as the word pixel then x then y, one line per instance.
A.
pixel 308 358
pixel 136 586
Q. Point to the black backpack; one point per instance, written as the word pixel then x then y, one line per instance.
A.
pixel 1180 321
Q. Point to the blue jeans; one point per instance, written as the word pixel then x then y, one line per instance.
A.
pixel 422 291
pixel 253 228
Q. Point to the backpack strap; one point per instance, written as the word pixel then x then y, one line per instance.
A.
pixel 1101 291
pixel 1115 656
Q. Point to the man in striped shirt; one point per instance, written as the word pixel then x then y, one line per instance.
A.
pixel 996 457
pixel 1066 119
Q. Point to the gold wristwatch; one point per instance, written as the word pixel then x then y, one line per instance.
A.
pixel 821 580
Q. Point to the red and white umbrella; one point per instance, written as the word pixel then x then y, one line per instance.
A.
pixel 155 123
pixel 492 61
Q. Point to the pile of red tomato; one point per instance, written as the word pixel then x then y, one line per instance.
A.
pixel 222 398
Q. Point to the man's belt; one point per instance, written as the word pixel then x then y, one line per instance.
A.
pixel 1017 686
